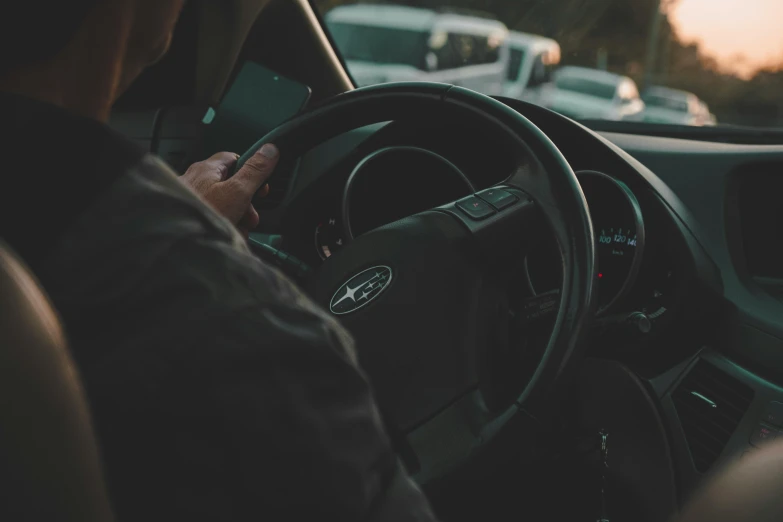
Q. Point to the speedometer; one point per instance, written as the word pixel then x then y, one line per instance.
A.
pixel 619 234
pixel 616 248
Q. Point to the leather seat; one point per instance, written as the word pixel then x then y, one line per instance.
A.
pixel 49 464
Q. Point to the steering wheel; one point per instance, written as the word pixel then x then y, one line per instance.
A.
pixel 426 297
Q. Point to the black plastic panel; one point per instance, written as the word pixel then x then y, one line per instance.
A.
pixel 708 178
pixel 710 404
pixel 761 220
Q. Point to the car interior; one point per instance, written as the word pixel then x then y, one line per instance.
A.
pixel 577 321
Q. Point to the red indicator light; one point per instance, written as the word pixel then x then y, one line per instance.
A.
pixel 600 275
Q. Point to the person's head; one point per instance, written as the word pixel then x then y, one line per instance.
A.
pixel 81 54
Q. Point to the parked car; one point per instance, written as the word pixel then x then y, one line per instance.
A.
pixel 387 43
pixel 584 93
pixel 531 62
pixel 673 106
pixel 707 118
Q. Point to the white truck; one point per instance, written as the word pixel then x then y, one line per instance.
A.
pixel 389 43
pixel 532 59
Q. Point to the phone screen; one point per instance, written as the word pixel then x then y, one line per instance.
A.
pixel 258 100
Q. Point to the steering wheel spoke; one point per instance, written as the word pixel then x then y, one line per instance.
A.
pixel 502 221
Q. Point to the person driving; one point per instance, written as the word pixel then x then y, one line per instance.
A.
pixel 219 390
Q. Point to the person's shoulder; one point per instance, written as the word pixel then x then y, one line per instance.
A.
pixel 146 208
pixel 152 187
pixel 145 215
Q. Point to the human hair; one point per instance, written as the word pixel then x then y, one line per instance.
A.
pixel 34 31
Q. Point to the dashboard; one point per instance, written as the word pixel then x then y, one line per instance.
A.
pixel 687 268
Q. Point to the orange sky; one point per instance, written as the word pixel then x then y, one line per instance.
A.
pixel 729 29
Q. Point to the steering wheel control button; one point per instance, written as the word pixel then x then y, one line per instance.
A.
pixel 762 435
pixel 499 199
pixel 360 289
pixel 475 207
pixel 773 414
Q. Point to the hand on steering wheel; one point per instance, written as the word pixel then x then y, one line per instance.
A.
pixel 231 196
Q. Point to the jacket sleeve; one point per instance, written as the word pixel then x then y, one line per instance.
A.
pixel 242 400
pixel 219 391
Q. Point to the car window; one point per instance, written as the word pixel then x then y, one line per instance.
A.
pixel 586 86
pixel 515 59
pixel 387 45
pixel 541 72
pixel 463 49
pixel 666 102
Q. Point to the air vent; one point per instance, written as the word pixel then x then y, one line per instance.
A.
pixel 710 404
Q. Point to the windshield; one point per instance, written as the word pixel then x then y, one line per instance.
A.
pixel 698 62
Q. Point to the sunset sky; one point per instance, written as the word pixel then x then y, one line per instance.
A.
pixel 730 29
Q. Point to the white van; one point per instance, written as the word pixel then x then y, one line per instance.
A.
pixel 388 43
pixel 531 61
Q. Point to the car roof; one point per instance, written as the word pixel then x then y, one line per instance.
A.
pixel 384 15
pixel 591 74
pixel 413 18
pixel 530 39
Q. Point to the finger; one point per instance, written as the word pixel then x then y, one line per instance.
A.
pixel 263 191
pixel 257 169
pixel 249 221
pixel 223 162
pixel 224 157
pixel 215 168
pixel 200 176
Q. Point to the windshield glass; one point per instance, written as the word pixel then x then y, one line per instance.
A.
pixel 724 59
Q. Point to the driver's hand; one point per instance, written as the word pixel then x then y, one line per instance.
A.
pixel 232 196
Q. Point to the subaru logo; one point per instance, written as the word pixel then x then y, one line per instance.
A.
pixel 359 290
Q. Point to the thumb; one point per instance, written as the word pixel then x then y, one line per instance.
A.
pixel 257 169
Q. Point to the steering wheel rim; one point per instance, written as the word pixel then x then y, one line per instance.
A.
pixel 544 184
